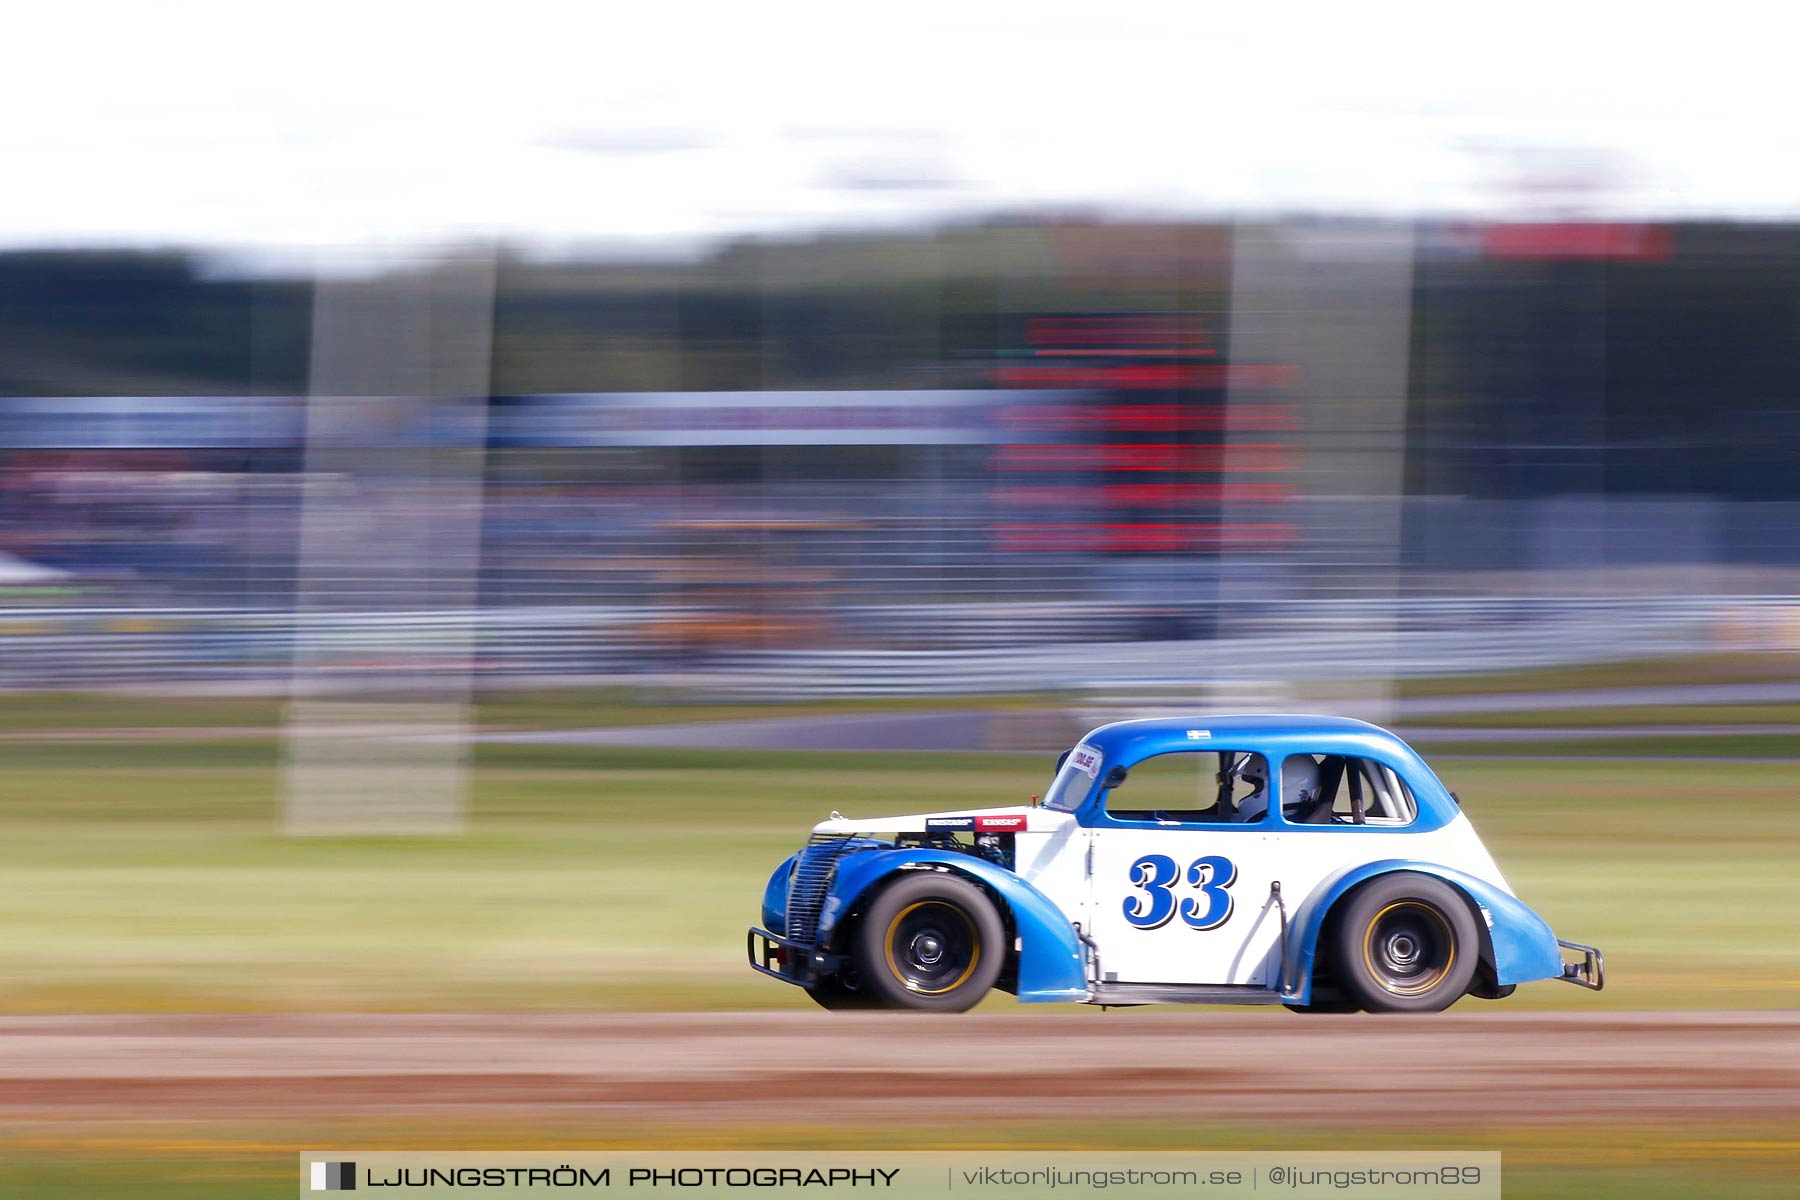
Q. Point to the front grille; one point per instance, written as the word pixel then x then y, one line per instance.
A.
pixel 812 879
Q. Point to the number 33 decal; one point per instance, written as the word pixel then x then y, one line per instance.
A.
pixel 1156 874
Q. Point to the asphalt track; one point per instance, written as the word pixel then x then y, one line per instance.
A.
pixel 1477 1066
pixel 984 729
pixel 978 731
pixel 987 730
pixel 967 732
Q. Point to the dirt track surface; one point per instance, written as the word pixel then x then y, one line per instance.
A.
pixel 1454 1069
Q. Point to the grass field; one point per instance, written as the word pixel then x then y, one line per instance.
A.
pixel 137 877
pixel 145 873
pixel 1777 748
pixel 1760 667
pixel 1696 717
pixel 521 708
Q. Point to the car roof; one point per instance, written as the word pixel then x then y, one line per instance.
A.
pixel 1270 732
pixel 1125 743
pixel 1247 723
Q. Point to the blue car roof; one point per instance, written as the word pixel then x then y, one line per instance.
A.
pixel 1264 729
pixel 1125 743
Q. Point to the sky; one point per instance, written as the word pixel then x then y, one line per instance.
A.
pixel 278 129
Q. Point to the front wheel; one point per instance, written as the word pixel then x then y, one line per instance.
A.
pixel 930 941
pixel 1406 943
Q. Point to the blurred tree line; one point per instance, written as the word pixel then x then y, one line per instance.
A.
pixel 1675 373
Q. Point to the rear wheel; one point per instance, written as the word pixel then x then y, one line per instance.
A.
pixel 1406 943
pixel 930 941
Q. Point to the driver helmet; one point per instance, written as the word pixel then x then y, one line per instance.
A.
pixel 1252 771
pixel 1300 783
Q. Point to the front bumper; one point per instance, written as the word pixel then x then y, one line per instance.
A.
pixel 1590 972
pixel 789 961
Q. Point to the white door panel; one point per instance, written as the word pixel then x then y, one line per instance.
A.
pixel 1178 919
pixel 1155 904
pixel 1188 905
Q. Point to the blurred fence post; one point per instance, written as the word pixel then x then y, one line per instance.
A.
pixel 377 724
pixel 1336 302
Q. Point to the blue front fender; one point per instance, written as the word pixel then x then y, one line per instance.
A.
pixel 1050 961
pixel 775 897
pixel 1524 948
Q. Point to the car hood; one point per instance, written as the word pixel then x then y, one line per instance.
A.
pixel 1016 819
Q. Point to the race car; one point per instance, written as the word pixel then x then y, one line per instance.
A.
pixel 1314 862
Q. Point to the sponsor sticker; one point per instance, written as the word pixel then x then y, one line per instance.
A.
pixel 1086 759
pixel 1000 824
pixel 949 822
pixel 1199 735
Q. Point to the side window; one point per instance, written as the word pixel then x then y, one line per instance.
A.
pixel 1191 786
pixel 1335 789
pixel 1386 798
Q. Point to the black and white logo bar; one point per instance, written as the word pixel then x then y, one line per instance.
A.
pixel 334 1177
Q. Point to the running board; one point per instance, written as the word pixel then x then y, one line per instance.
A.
pixel 1181 993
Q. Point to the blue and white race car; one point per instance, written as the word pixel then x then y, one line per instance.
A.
pixel 1314 862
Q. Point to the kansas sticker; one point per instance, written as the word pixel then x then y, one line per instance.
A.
pixel 949 822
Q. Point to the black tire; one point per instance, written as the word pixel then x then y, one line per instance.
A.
pixel 930 941
pixel 1405 943
pixel 839 996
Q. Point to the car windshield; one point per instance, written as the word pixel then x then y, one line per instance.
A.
pixel 1076 776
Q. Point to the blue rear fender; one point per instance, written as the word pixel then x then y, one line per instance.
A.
pixel 1050 965
pixel 1517 944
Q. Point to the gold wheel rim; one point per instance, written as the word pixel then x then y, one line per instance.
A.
pixel 974 942
pixel 1422 986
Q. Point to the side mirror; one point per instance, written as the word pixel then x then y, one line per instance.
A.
pixel 1060 760
pixel 1114 778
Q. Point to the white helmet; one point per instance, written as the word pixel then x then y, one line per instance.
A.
pixel 1299 781
pixel 1299 786
pixel 1256 804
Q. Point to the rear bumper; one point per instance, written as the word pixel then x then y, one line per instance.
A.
pixel 789 961
pixel 1590 972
